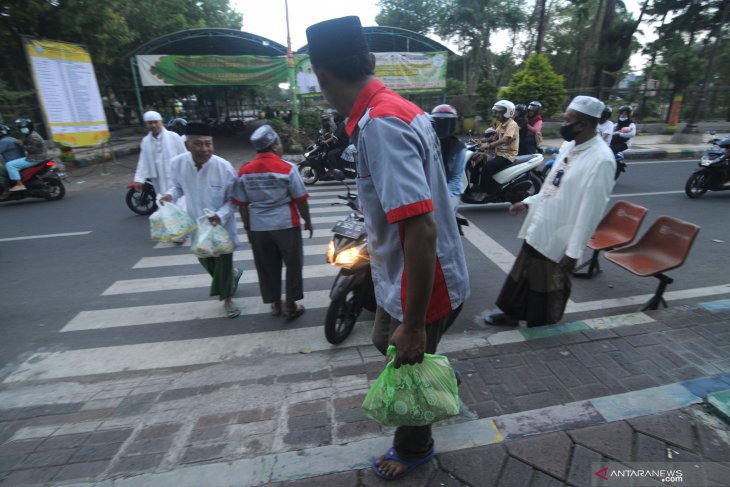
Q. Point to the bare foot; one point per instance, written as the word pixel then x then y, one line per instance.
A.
pixel 390 468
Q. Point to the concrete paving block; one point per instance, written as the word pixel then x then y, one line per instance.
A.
pixel 552 330
pixel 476 466
pixel 549 453
pixel 515 474
pixel 510 336
pixel 613 440
pixel 580 469
pixel 649 449
pixel 554 418
pixel 705 385
pixel 618 320
pixel 672 427
pixel 470 434
pixel 644 402
pixel 720 403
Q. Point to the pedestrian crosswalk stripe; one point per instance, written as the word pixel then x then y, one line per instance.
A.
pixel 190 259
pixel 202 280
pixel 178 312
pixel 322 231
pixel 201 351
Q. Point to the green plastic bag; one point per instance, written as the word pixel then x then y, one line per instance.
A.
pixel 413 395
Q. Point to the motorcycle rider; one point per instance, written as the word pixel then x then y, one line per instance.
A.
pixel 624 130
pixel 533 127
pixel 35 150
pixel 505 145
pixel 9 151
pixel 177 125
pixel 337 143
pixel 158 148
pixel 453 151
pixel 521 121
pixel 605 125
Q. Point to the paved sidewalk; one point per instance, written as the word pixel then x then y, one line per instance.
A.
pixel 538 406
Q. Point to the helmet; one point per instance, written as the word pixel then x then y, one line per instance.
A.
pixel 444 119
pixel 521 107
pixel 177 125
pixel 24 123
pixel 626 108
pixel 535 106
pixel 506 106
pixel 724 143
pixel 606 113
pixel 4 130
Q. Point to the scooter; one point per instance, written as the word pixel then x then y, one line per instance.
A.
pixel 516 182
pixel 353 288
pixel 41 181
pixel 714 171
pixel 142 202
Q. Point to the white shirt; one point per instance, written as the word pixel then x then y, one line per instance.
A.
pixel 562 218
pixel 155 156
pixel 207 188
pixel 605 130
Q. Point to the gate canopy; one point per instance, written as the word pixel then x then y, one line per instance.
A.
pixel 206 42
pixel 395 39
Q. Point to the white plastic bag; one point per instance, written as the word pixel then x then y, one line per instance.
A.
pixel 169 221
pixel 211 240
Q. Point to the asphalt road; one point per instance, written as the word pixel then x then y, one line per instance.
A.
pixel 72 283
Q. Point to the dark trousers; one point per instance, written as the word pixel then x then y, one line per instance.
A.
pixel 270 250
pixel 335 162
pixel 482 180
pixel 411 442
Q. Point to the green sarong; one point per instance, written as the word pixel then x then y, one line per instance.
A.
pixel 221 270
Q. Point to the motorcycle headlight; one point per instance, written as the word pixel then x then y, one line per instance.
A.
pixel 347 257
pixel 705 162
pixel 331 253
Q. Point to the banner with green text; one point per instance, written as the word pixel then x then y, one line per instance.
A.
pixel 170 70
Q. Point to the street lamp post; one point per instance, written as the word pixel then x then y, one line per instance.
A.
pixel 292 73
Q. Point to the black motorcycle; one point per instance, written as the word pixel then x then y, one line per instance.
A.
pixel 44 180
pixel 714 171
pixel 353 288
pixel 142 202
pixel 315 166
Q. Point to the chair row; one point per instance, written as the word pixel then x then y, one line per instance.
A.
pixel 663 247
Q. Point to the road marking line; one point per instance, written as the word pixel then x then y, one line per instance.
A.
pixel 502 257
pixel 201 280
pixel 636 163
pixel 179 312
pixel 51 235
pixel 190 259
pixel 657 193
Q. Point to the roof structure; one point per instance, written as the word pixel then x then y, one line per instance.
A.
pixel 205 42
pixel 395 39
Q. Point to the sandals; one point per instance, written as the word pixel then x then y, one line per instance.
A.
pixel 410 465
pixel 232 311
pixel 276 308
pixel 296 313
pixel 239 273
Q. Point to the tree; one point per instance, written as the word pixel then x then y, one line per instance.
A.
pixel 417 15
pixel 537 81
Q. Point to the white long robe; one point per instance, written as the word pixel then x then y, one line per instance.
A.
pixel 562 218
pixel 205 188
pixel 155 156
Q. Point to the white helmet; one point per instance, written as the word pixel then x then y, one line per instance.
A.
pixel 507 106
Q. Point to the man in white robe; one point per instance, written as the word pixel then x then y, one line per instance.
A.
pixel 560 220
pixel 205 179
pixel 158 148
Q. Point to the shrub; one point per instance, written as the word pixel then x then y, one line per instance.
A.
pixel 537 81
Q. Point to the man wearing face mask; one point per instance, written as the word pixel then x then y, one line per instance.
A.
pixel 506 146
pixel 35 152
pixel 560 220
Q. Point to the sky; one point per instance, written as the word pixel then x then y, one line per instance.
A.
pixel 267 18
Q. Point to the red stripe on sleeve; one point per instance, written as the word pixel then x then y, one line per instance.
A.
pixel 409 211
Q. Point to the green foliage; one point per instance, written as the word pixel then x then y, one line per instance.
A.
pixel 486 96
pixel 537 81
pixel 454 87
pixel 417 15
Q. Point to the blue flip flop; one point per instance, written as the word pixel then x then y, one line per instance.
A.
pixel 239 273
pixel 410 465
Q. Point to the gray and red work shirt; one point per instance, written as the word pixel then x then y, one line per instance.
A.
pixel 400 176
pixel 271 188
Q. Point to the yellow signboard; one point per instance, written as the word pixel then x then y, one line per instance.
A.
pixel 66 84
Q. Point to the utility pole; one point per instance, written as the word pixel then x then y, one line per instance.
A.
pixel 292 73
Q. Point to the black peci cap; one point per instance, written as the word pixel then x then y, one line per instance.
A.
pixel 336 39
pixel 197 128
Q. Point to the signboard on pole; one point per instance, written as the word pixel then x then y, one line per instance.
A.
pixel 66 85
pixel 170 70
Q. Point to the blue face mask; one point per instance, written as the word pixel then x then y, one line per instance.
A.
pixel 25 131
pixel 622 119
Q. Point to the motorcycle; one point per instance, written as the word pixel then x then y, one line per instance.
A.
pixel 714 171
pixel 353 288
pixel 142 202
pixel 516 182
pixel 620 166
pixel 44 180
pixel 315 166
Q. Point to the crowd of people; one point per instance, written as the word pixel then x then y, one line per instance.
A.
pixel 410 168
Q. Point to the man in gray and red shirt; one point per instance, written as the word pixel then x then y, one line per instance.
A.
pixel 271 195
pixel 417 258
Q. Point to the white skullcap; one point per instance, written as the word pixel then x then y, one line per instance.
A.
pixel 588 105
pixel 151 116
pixel 263 137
